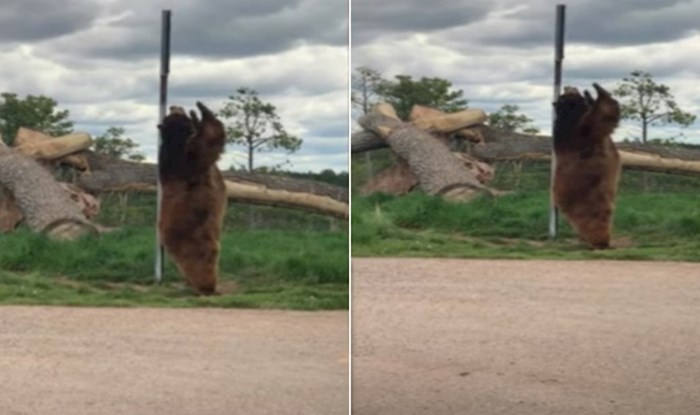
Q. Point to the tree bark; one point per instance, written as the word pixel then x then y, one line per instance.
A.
pixel 114 175
pixel 501 146
pixel 250 156
pixel 45 205
pixel 437 169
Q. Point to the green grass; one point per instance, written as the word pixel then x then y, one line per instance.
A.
pixel 657 218
pixel 292 269
pixel 647 226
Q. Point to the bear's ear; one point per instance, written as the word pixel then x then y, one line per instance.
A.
pixel 570 90
pixel 589 98
pixel 174 109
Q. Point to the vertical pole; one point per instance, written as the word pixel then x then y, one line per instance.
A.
pixel 558 59
pixel 164 70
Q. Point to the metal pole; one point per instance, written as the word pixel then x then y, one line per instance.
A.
pixel 164 70
pixel 558 59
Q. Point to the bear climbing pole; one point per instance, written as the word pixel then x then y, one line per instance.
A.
pixel 558 59
pixel 164 70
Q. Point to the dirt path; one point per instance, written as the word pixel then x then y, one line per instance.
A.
pixel 76 361
pixel 525 337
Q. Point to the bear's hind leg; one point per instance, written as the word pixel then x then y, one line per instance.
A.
pixel 198 262
pixel 596 228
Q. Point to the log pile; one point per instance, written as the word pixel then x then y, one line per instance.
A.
pixel 424 160
pixel 41 200
pixel 30 192
pixel 423 156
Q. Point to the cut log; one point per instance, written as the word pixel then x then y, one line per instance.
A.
pixel 398 179
pixel 113 175
pixel 55 148
pixel 28 139
pixel 256 193
pixel 473 117
pixel 438 121
pixel 45 205
pixel 87 203
pixel 484 172
pixel 437 169
pixel 654 162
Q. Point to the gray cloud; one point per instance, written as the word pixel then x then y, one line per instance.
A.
pixel 330 129
pixel 31 20
pixel 631 22
pixel 514 23
pixel 215 29
pixel 372 19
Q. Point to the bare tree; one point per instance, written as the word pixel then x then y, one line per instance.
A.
pixel 649 103
pixel 256 125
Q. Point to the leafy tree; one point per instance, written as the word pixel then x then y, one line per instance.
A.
pixel 405 92
pixel 365 85
pixel 113 143
pixel 36 112
pixel 256 125
pixel 649 103
pixel 508 119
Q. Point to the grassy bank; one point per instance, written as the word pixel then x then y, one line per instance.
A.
pixel 657 218
pixel 293 269
pixel 515 226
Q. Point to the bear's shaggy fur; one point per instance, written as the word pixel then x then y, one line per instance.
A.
pixel 588 163
pixel 193 194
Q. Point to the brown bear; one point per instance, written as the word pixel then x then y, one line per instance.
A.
pixel 193 194
pixel 587 162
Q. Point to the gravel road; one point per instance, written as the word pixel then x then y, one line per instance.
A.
pixel 75 361
pixel 440 336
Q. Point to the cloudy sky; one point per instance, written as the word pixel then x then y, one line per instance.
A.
pixel 100 60
pixel 501 51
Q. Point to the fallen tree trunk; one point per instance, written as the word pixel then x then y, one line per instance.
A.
pixel 54 148
pixel 502 146
pixel 113 175
pixel 433 120
pixel 362 141
pixel 437 169
pixel 45 205
pixel 27 139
